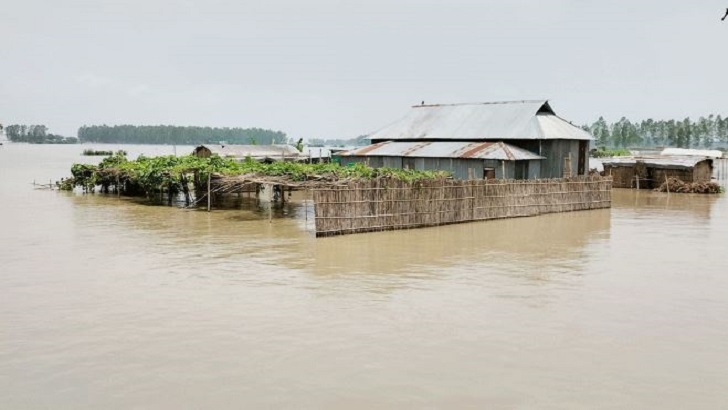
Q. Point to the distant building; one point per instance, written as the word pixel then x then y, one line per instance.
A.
pixel 707 153
pixel 263 153
pixel 518 139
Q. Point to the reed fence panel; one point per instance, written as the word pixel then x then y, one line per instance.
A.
pixel 386 204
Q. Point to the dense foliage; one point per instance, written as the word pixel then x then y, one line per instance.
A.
pixel 603 152
pixel 707 132
pixel 35 134
pixel 150 175
pixel 169 134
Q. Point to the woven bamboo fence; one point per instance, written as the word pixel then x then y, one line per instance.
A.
pixel 386 204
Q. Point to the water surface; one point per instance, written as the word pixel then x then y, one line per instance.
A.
pixel 109 303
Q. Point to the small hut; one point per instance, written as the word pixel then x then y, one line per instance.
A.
pixel 262 153
pixel 687 152
pixel 650 173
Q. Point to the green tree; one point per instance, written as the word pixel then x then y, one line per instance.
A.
pixel 168 134
pixel 600 130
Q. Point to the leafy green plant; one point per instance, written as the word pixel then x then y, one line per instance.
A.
pixel 603 152
pixel 150 175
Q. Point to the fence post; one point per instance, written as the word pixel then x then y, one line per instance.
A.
pixel 567 166
pixel 667 184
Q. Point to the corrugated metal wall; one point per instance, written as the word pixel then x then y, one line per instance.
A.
pixel 459 167
pixel 392 162
pixel 374 162
pixel 556 151
pixel 500 166
pixel 534 169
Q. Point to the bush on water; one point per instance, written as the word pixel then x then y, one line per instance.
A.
pixel 150 175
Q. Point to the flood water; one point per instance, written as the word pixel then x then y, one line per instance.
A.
pixel 110 303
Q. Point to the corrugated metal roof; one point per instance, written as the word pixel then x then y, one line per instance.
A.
pixel 253 151
pixel 455 149
pixel 555 127
pixel 692 152
pixel 661 162
pixel 479 121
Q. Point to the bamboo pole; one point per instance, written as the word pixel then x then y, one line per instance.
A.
pixel 667 184
pixel 209 198
pixel 269 188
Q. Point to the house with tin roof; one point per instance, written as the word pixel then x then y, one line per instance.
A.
pixel 512 140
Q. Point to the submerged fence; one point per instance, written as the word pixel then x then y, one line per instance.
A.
pixel 388 204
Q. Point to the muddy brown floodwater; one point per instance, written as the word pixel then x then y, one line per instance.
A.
pixel 109 303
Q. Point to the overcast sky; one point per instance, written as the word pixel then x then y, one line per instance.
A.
pixel 338 69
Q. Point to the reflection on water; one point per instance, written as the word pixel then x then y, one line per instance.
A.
pixel 106 302
pixel 660 204
pixel 531 241
pixel 264 228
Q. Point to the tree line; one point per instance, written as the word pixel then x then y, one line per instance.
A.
pixel 706 132
pixel 171 134
pixel 35 134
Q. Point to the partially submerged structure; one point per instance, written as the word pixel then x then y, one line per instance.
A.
pixel 533 142
pixel 344 206
pixel 651 172
pixel 688 152
pixel 263 153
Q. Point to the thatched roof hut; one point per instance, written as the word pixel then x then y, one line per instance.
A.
pixel 651 172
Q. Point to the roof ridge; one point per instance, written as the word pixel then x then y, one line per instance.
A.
pixel 540 101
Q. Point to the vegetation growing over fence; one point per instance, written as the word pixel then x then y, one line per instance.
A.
pixel 171 174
